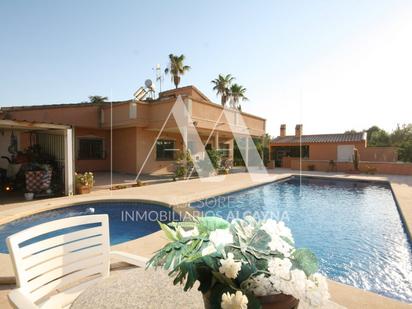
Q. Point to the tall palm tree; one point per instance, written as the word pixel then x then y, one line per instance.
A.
pixel 237 93
pixel 176 68
pixel 222 84
pixel 97 99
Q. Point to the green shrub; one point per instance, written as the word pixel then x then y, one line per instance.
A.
pixel 405 151
pixel 215 157
pixel 181 171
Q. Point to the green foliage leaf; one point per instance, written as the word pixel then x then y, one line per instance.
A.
pixel 225 280
pixel 211 261
pixel 306 261
pixel 210 224
pixel 261 264
pixel 185 271
pixel 260 240
pixel 183 224
pixel 245 272
pixel 170 234
pixel 216 294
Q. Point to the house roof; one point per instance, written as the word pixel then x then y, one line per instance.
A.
pixel 183 90
pixel 32 125
pixel 59 105
pixel 107 103
pixel 320 138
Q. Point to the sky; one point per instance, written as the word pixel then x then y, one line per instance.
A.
pixel 331 65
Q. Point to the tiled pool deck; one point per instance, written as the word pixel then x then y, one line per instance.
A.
pixel 182 192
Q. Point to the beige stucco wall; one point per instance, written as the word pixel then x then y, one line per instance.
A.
pixel 86 116
pixel 92 165
pixel 124 150
pixel 394 168
pixel 328 151
pixel 145 140
pixel 380 154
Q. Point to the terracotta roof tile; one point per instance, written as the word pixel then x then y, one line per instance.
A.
pixel 320 138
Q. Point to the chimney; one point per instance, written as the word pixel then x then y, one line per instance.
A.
pixel 282 130
pixel 298 130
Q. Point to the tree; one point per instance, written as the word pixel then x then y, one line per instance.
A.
pixel 237 93
pixel 176 68
pixel 353 131
pixel 370 131
pixel 401 138
pixel 405 151
pixel 221 86
pixel 380 139
pixel 401 134
pixel 96 99
pixel 262 146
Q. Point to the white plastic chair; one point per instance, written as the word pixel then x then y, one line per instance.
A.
pixel 52 272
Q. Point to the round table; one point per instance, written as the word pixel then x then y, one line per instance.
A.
pixel 138 288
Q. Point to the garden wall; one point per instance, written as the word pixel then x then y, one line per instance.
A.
pixel 395 168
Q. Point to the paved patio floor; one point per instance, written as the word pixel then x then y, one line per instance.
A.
pixel 105 180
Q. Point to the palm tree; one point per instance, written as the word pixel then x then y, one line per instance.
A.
pixel 236 94
pixel 222 84
pixel 176 68
pixel 95 99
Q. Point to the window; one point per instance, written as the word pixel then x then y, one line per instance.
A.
pixel 91 149
pixel 224 150
pixel 165 150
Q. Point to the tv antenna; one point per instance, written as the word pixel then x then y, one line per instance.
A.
pixel 159 76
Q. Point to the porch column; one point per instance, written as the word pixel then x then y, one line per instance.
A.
pixel 68 162
pixel 231 147
pixel 216 141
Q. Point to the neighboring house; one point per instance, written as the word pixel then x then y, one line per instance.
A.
pixel 320 149
pixel 135 126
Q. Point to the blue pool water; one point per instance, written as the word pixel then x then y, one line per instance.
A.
pixel 353 227
pixel 128 220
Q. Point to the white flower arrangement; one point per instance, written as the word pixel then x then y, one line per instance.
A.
pixel 237 263
pixel 230 268
pixel 234 301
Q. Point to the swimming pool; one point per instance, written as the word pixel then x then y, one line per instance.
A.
pixel 128 220
pixel 353 227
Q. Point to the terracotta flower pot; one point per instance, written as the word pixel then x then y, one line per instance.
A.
pixel 278 301
pixel 83 189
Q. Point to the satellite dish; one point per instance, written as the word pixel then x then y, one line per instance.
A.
pixel 148 83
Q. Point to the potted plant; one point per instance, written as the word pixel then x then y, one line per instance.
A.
pixel 242 264
pixel 311 167
pixel 29 196
pixel 84 182
pixel 184 165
